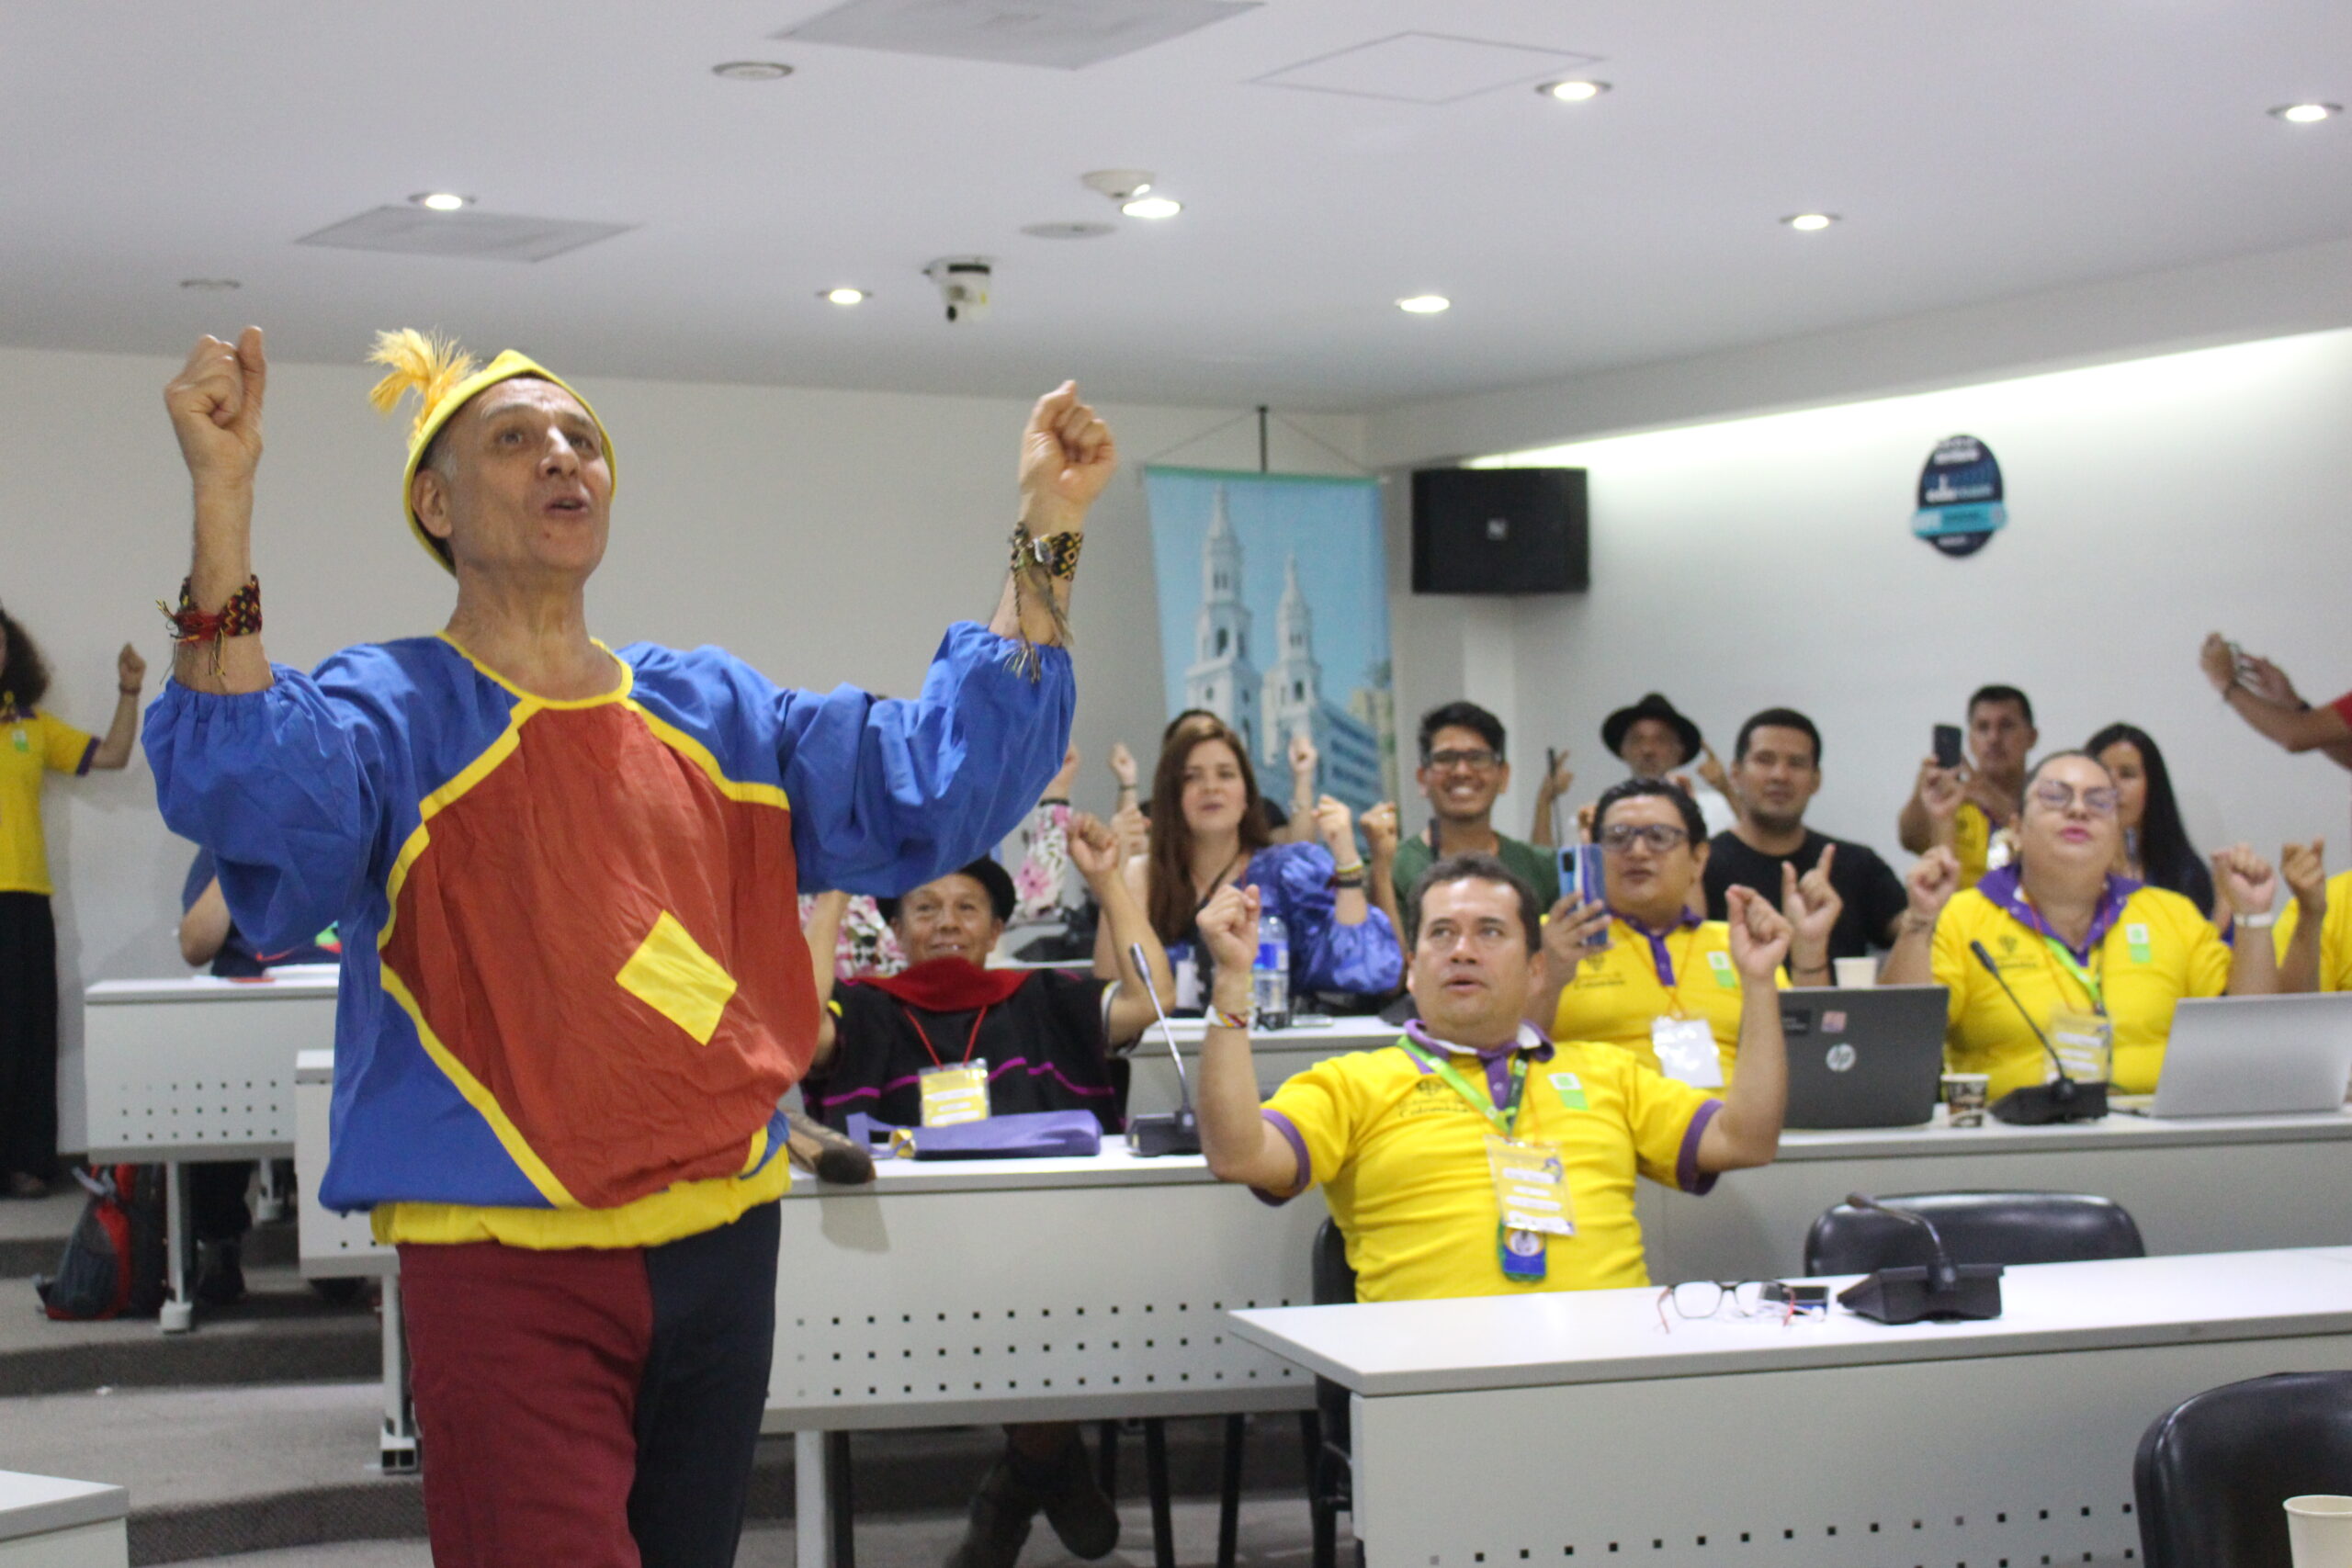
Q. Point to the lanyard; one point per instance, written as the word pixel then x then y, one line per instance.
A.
pixel 1504 1118
pixel 968 1044
pixel 2089 977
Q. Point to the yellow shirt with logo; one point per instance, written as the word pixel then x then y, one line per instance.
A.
pixel 2160 948
pixel 30 745
pixel 2334 933
pixel 1402 1160
pixel 1617 995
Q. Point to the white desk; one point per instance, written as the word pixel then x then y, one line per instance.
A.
pixel 1277 1054
pixel 2219 1184
pixel 197 1069
pixel 1574 1424
pixel 49 1523
pixel 342 1246
pixel 1024 1290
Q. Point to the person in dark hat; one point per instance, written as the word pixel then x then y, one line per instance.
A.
pixel 1655 738
pixel 950 1040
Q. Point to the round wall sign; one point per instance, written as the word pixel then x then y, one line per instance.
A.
pixel 1960 497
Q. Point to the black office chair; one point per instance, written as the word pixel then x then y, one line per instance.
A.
pixel 2212 1472
pixel 1330 1463
pixel 1977 1227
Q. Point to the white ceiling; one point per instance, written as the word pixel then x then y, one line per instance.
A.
pixel 1977 150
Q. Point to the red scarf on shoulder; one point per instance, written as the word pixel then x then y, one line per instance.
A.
pixel 950 985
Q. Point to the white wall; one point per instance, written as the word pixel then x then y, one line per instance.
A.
pixel 1769 561
pixel 824 537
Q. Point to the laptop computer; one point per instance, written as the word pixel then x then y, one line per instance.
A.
pixel 1867 1057
pixel 2257 1055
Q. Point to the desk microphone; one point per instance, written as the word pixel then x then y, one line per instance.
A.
pixel 1179 1132
pixel 1908 1293
pixel 2036 1105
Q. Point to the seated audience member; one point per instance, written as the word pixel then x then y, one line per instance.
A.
pixel 218 1214
pixel 1042 1039
pixel 2156 849
pixel 1964 807
pixel 1296 826
pixel 1668 987
pixel 1046 1034
pixel 2315 930
pixel 1210 832
pixel 2098 961
pixel 1463 770
pixel 1653 738
pixel 2260 692
pixel 1776 772
pixel 1399 1137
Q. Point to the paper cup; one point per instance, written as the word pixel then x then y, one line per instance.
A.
pixel 1856 974
pixel 2319 1530
pixel 1965 1095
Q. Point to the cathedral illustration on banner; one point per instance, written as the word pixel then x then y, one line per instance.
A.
pixel 1357 743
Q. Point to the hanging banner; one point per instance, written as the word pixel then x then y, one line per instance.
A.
pixel 1273 615
pixel 1960 497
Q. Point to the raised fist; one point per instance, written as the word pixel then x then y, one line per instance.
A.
pixel 1067 457
pixel 215 403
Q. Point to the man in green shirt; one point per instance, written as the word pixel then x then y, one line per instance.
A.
pixel 1463 773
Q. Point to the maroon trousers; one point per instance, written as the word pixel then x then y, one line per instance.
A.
pixel 596 1408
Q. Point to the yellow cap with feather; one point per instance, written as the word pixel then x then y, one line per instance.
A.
pixel 444 378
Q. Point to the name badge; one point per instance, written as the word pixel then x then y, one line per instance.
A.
pixel 1531 1187
pixel 1725 975
pixel 2085 1042
pixel 1686 1051
pixel 955 1094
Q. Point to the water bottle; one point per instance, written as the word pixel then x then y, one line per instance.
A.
pixel 1269 977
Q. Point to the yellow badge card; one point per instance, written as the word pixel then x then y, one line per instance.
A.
pixel 1686 1051
pixel 1531 1187
pixel 956 1094
pixel 2085 1042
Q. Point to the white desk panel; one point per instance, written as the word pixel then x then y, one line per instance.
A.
pixel 46 1522
pixel 1278 1056
pixel 198 1068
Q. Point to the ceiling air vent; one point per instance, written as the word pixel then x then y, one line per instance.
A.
pixel 1064 33
pixel 474 234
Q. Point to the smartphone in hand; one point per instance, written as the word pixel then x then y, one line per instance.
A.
pixel 1948 739
pixel 1583 880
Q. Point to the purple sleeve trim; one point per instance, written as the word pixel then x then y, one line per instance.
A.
pixel 1687 1174
pixel 89 755
pixel 1282 1124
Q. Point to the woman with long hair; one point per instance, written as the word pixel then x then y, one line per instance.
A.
pixel 34 742
pixel 1209 831
pixel 2156 849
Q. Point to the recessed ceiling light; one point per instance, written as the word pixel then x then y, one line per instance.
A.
pixel 1152 207
pixel 844 295
pixel 752 70
pixel 2307 114
pixel 210 284
pixel 1810 222
pixel 1424 304
pixel 1068 231
pixel 1573 91
pixel 441 200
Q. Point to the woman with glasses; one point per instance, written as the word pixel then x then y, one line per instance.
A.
pixel 2096 960
pixel 1650 974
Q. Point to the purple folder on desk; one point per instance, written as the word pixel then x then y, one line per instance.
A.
pixel 1029 1134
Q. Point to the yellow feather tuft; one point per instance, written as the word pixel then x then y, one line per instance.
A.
pixel 430 366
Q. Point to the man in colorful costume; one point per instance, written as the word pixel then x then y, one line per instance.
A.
pixel 574 986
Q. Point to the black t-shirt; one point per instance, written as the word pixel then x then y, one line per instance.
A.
pixel 1874 894
pixel 1044 1044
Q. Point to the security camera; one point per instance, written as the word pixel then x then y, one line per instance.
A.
pixel 963 283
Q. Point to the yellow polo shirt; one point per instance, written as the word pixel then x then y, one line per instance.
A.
pixel 1971 842
pixel 1402 1160
pixel 1617 992
pixel 31 745
pixel 2160 948
pixel 2334 933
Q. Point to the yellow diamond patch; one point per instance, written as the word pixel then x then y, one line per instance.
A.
pixel 671 973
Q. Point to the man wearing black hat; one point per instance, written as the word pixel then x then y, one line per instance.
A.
pixel 950 1040
pixel 1655 738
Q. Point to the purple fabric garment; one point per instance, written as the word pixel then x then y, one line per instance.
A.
pixel 1495 1059
pixel 1659 954
pixel 1289 1131
pixel 1687 1174
pixel 2004 887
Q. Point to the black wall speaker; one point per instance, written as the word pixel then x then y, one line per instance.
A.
pixel 1501 531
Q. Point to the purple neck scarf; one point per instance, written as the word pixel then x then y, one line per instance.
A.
pixel 1659 954
pixel 2006 891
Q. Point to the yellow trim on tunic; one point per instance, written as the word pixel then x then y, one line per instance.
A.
pixel 688 1208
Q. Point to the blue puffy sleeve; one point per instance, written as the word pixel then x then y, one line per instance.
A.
pixel 1295 882
pixel 285 786
pixel 888 794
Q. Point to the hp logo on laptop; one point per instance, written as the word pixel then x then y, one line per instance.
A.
pixel 1840 1058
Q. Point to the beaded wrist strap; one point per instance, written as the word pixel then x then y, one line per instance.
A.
pixel 240 617
pixel 1224 1019
pixel 1054 556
